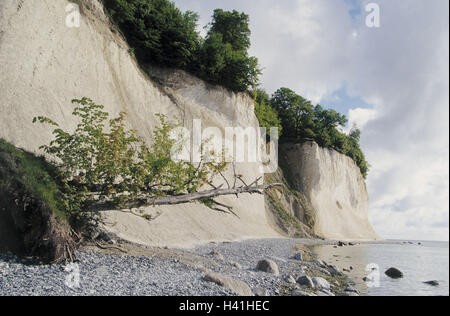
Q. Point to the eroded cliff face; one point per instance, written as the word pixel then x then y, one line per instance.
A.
pixel 334 187
pixel 45 64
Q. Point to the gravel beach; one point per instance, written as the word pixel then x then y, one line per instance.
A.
pixel 162 272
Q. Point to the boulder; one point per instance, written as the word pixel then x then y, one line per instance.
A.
pixel 268 266
pixel 334 271
pixel 319 263
pixel 394 273
pixel 305 280
pixel 321 283
pixel 298 256
pixel 325 293
pixel 351 290
pixel 239 287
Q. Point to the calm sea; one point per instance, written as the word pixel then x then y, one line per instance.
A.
pixel 419 263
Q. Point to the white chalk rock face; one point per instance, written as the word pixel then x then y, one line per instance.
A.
pixel 335 187
pixel 45 64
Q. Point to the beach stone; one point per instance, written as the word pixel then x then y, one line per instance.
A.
pixel 321 283
pixel 319 262
pixel 259 291
pixel 302 293
pixel 290 279
pixel 432 283
pixel 298 256
pixel 351 290
pixel 217 255
pixel 305 280
pixel 326 272
pixel 349 294
pixel 239 287
pixel 325 293
pixel 236 265
pixel 334 271
pixel 268 266
pixel 394 273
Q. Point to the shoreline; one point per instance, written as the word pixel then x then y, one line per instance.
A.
pixel 214 269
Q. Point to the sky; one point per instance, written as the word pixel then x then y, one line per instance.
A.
pixel 392 81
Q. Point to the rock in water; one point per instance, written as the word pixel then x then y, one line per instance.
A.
pixel 239 287
pixel 432 283
pixel 321 283
pixel 268 266
pixel 394 273
pixel 305 280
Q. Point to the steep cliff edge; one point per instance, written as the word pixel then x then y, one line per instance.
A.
pixel 46 64
pixel 334 187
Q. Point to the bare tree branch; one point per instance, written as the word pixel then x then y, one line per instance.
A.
pixel 182 199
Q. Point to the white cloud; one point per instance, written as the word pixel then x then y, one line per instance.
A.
pixel 360 117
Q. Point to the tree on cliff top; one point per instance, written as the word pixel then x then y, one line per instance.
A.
pixel 158 30
pixel 161 34
pixel 302 121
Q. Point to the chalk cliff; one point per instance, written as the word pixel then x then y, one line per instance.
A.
pixel 334 188
pixel 45 64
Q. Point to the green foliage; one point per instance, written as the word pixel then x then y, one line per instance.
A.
pixel 104 157
pixel 267 116
pixel 303 121
pixel 234 28
pixel 160 33
pixel 31 177
pixel 223 57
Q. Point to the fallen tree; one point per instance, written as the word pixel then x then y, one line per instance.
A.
pixel 104 166
pixel 185 198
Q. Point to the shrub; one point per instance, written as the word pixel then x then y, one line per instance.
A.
pixel 102 160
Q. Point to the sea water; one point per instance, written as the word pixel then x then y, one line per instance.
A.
pixel 419 261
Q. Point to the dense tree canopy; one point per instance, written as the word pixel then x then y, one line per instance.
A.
pixel 161 34
pixel 302 121
pixel 158 31
pixel 266 115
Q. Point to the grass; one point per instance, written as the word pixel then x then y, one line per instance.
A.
pixel 32 176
